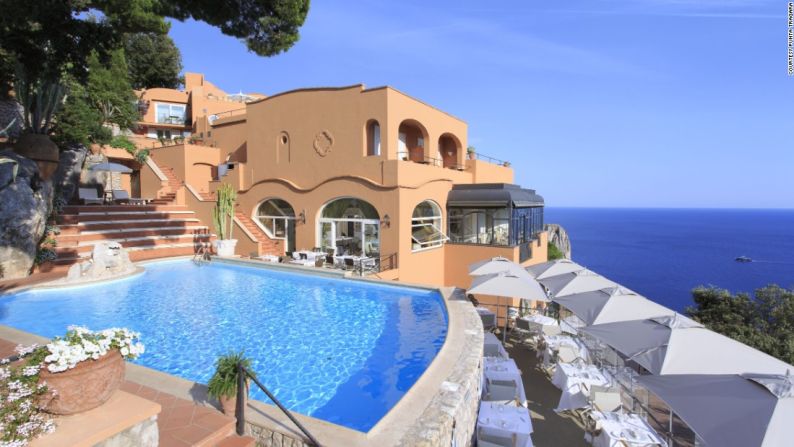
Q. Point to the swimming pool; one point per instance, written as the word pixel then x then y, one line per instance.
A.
pixel 339 350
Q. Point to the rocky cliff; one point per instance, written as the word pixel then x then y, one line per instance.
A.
pixel 559 238
pixel 25 204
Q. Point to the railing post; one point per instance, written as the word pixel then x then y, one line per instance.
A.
pixel 239 410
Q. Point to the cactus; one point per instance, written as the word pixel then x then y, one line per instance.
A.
pixel 223 210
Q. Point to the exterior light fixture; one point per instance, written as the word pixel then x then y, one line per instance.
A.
pixel 386 221
pixel 302 216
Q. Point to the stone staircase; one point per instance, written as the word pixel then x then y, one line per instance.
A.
pixel 266 244
pixel 146 231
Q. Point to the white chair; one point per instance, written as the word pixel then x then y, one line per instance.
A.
pixel 89 196
pixel 605 399
pixel 502 391
pixel 550 329
pixel 567 354
pixel 489 440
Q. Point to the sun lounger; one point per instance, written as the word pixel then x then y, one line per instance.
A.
pixel 89 196
pixel 120 195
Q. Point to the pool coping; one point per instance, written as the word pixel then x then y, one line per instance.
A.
pixel 402 420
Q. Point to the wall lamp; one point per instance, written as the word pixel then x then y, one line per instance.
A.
pixel 386 222
pixel 302 216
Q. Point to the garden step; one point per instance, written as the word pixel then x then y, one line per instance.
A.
pixel 120 217
pixel 130 223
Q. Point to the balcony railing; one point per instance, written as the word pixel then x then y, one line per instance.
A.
pixel 438 163
pixel 496 161
pixel 177 120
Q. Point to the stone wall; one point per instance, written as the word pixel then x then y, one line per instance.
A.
pixel 451 417
pixel 143 434
pixel 266 437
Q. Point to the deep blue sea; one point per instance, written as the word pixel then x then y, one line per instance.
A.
pixel 664 253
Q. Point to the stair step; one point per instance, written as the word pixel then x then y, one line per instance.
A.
pixel 82 253
pixel 129 232
pixel 73 209
pixel 130 242
pixel 237 441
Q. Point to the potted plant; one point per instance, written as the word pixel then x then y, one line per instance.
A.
pixel 223 218
pixel 82 369
pixel 223 384
pixel 471 152
pixel 506 164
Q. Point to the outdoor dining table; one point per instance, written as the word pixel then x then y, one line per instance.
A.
pixel 553 343
pixel 493 347
pixel 575 382
pixel 310 255
pixel 495 368
pixel 504 420
pixel 621 429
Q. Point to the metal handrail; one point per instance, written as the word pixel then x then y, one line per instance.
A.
pixel 239 411
pixel 479 156
pixel 390 260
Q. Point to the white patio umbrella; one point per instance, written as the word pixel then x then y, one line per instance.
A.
pixel 497 265
pixel 611 305
pixel 749 410
pixel 110 167
pixel 553 268
pixel 575 282
pixel 675 344
pixel 508 285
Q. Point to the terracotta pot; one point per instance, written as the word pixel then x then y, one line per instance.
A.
pixel 86 386
pixel 40 149
pixel 472 155
pixel 229 404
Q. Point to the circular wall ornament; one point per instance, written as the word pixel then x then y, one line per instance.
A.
pixel 323 142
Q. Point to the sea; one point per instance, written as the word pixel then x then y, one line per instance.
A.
pixel 664 253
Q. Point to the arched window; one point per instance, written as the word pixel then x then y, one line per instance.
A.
pixel 350 226
pixel 373 138
pixel 411 137
pixel 426 226
pixel 278 219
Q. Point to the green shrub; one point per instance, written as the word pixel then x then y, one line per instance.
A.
pixel 224 382
pixel 554 252
pixel 122 142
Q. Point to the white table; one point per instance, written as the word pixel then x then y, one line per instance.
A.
pixel 553 343
pixel 310 255
pixel 504 420
pixel 540 320
pixel 269 258
pixel 575 382
pixel 495 368
pixel 628 428
pixel 493 347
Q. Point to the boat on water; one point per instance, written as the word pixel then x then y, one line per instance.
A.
pixel 743 259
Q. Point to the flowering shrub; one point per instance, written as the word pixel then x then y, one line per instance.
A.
pixel 20 418
pixel 20 387
pixel 81 344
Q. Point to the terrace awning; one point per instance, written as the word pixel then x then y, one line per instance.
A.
pixel 492 195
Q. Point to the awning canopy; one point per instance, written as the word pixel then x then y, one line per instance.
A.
pixel 730 410
pixel 493 195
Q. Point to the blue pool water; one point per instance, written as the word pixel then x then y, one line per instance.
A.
pixel 340 350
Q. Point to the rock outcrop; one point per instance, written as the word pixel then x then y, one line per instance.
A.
pixel 11 118
pixel 70 165
pixel 559 238
pixel 108 260
pixel 25 205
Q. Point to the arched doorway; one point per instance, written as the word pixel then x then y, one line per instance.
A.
pixel 411 141
pixel 350 226
pixel 449 148
pixel 278 219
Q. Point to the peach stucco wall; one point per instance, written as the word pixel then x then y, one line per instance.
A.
pixel 309 147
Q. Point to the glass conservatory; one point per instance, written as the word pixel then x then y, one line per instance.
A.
pixel 493 214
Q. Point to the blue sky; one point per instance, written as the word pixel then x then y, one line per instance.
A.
pixel 625 103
